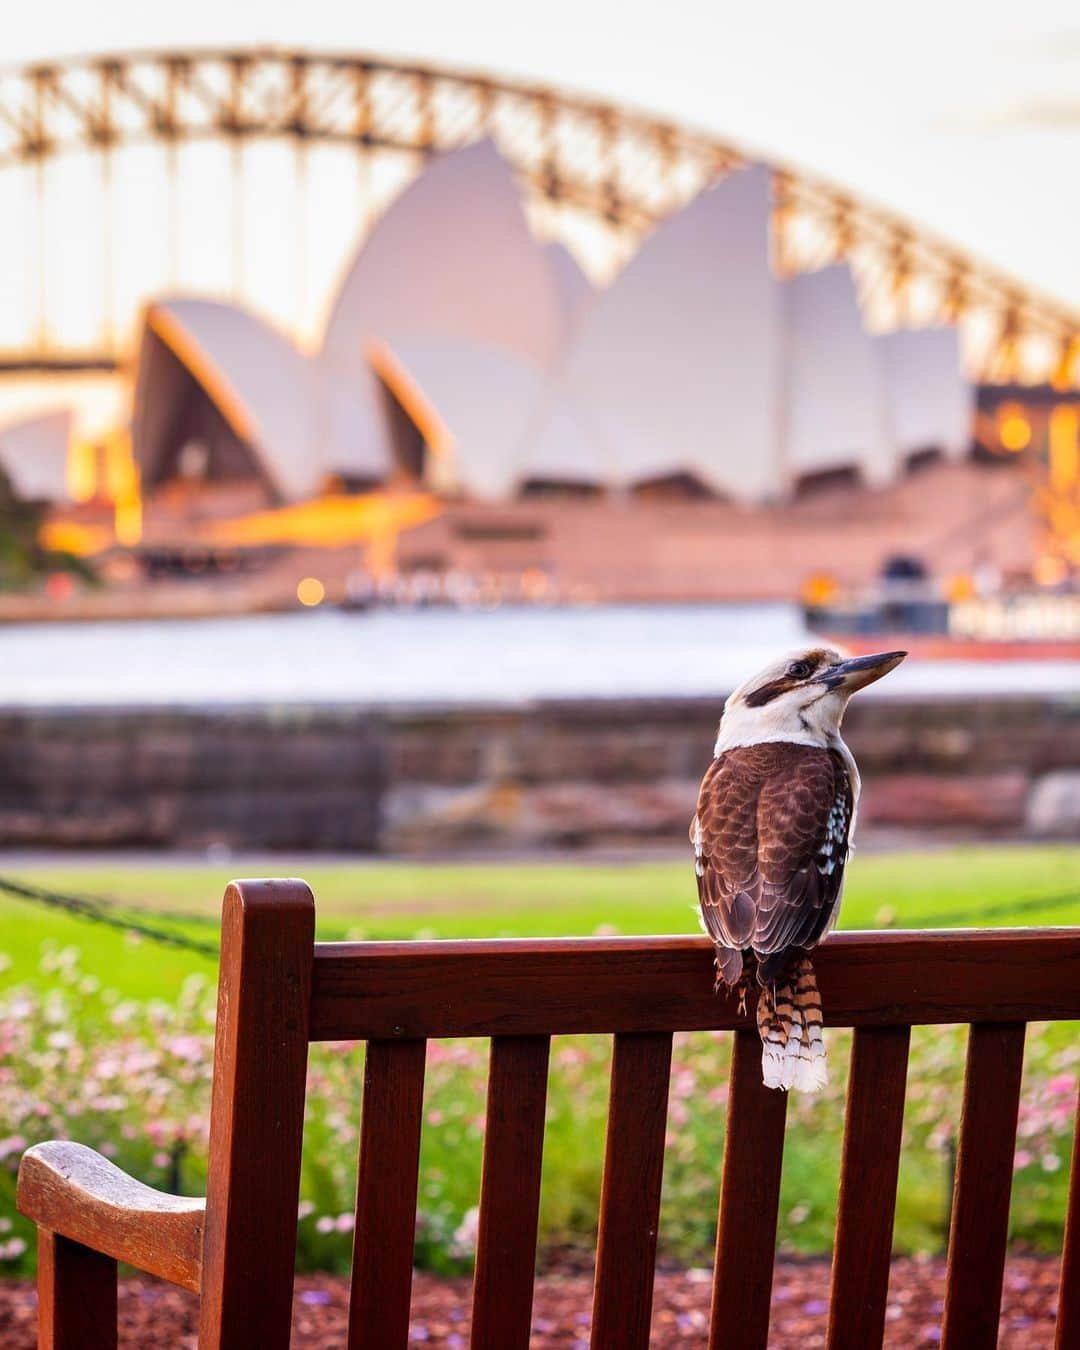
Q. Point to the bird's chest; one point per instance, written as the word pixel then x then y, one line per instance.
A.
pixel 837 744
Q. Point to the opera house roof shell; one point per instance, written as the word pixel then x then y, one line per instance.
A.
pixel 34 454
pixel 465 353
pixel 454 257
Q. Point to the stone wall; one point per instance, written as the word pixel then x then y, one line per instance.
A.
pixel 560 774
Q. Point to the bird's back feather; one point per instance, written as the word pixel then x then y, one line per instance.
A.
pixel 771 838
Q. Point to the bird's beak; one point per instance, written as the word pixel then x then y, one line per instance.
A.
pixel 859 671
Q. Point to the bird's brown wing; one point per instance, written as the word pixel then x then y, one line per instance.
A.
pixel 725 840
pixel 770 841
pixel 804 820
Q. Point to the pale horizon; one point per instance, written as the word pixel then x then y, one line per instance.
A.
pixel 962 118
pixel 965 125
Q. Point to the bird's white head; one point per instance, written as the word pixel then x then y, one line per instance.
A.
pixel 799 698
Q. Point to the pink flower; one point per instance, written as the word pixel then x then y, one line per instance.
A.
pixel 14 1143
pixel 467 1231
pixel 189 1048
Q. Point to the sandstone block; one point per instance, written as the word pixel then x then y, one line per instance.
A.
pixel 922 800
pixel 1053 808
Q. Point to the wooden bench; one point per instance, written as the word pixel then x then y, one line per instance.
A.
pixel 279 990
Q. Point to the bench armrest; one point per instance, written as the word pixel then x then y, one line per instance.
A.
pixel 69 1189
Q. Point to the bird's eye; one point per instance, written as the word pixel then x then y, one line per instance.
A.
pixel 799 669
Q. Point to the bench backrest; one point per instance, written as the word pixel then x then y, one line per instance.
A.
pixel 279 990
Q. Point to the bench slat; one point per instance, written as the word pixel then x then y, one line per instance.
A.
pixel 510 1193
pixel 980 1215
pixel 1068 1318
pixel 385 1232
pixel 76 1296
pixel 868 1175
pixel 630 1194
pixel 257 1115
pixel 534 987
pixel 749 1199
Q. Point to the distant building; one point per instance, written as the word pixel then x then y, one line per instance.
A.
pixel 466 356
pixel 931 403
pixel 34 457
pixel 700 365
pixel 222 397
pixel 675 370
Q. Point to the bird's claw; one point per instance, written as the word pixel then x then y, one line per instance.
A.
pixel 741 989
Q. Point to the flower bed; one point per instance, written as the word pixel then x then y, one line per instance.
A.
pixel 132 1079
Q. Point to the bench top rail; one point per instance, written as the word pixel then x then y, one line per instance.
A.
pixel 543 987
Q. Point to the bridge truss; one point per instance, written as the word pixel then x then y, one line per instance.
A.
pixel 586 166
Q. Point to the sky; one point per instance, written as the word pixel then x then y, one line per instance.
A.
pixel 964 116
pixel 961 116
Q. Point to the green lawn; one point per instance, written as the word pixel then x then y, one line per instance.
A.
pixel 110 1040
pixel 960 887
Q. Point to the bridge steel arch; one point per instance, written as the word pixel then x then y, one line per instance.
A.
pixel 618 168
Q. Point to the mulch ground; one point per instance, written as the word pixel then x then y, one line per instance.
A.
pixel 154 1314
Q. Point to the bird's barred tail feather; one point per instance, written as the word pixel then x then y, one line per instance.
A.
pixel 789 1023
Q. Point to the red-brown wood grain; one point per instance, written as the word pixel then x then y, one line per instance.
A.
pixel 984 1170
pixel 76 1296
pixel 257 1115
pixel 1068 1319
pixel 867 1202
pixel 510 1193
pixel 536 987
pixel 749 1198
pixel 69 1189
pixel 630 1191
pixel 385 1232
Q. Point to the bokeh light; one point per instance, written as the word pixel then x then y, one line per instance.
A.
pixel 1014 430
pixel 310 592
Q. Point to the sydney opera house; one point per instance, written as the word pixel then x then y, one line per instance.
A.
pixel 467 360
pixel 466 356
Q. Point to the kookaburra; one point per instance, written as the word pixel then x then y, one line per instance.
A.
pixel 774 823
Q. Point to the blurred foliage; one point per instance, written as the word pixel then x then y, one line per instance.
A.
pixel 23 560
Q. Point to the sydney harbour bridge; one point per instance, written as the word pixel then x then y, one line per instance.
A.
pixel 597 176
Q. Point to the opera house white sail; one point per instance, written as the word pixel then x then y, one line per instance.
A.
pixel 699 361
pixel 34 456
pixel 464 354
pixel 461 312
pixel 220 394
pixel 472 406
pixel 453 258
pixel 930 400
pixel 833 389
pixel 571 286
pixel 675 368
